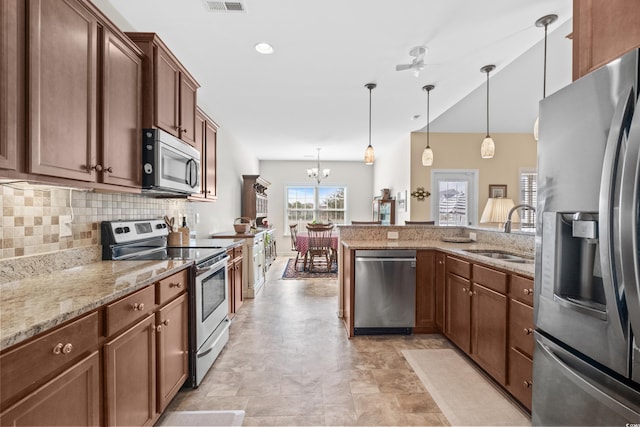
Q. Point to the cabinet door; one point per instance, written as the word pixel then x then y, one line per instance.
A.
pixel 173 349
pixel 70 399
pixel 209 170
pixel 121 113
pixel 199 145
pixel 458 309
pixel 187 109
pixel 167 90
pixel 237 284
pixel 130 375
pixel 10 82
pixel 440 280
pixel 231 290
pixel 425 292
pixel 489 337
pixel 62 89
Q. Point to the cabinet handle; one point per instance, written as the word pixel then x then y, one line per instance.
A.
pixel 67 348
pixel 440 262
pixel 166 322
pixel 97 168
pixel 528 331
pixel 158 328
pixel 184 130
pixel 528 291
pixel 109 170
pixel 138 307
pixel 175 285
pixel 58 348
pixel 465 290
pixel 527 384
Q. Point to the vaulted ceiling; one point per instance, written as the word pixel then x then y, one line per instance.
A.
pixel 310 92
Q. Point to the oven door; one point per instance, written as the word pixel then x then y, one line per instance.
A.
pixel 210 298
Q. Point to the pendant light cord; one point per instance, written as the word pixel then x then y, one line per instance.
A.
pixel 544 75
pixel 428 92
pixel 370 116
pixel 488 103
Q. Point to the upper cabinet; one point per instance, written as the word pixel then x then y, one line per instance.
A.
pixel 603 31
pixel 82 92
pixel 11 74
pixel 206 142
pixel 169 90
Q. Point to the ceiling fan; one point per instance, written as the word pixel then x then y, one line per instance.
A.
pixel 417 64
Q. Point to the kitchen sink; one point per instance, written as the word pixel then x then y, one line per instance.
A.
pixel 501 255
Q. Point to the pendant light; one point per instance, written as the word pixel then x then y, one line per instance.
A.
pixel 369 156
pixel 427 154
pixel 543 22
pixel 488 147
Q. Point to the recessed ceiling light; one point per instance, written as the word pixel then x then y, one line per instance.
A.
pixel 264 48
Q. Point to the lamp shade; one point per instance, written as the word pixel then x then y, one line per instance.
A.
pixel 427 157
pixel 369 157
pixel 496 210
pixel 488 148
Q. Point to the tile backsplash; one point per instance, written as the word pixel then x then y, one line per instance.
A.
pixel 31 216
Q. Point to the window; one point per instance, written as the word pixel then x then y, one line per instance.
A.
pixel 528 195
pixel 308 203
pixel 454 200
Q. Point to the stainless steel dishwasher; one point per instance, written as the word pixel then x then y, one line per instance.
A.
pixel 385 291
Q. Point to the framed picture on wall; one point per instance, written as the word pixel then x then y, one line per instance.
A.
pixel 497 191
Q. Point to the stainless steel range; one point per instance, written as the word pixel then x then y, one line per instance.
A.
pixel 208 306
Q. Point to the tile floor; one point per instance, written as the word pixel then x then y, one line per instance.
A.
pixel 289 362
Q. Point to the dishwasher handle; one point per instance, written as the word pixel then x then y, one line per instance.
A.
pixel 365 259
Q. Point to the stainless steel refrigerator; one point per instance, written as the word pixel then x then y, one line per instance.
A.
pixel 586 363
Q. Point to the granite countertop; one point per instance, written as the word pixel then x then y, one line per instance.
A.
pixel 34 304
pixel 525 269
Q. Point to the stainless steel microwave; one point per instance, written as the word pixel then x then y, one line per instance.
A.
pixel 168 164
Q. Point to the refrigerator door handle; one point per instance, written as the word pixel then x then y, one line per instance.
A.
pixel 609 223
pixel 629 217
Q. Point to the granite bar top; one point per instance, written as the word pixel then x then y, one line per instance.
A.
pixel 34 304
pixel 525 269
pixel 234 235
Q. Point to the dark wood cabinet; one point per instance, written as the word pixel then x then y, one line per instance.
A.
pixel 521 343
pixel 173 349
pixel 489 331
pixel 235 275
pixel 458 309
pixel 11 82
pixel 255 202
pixel 425 292
pixel 130 375
pixel 384 210
pixel 62 89
pixel 169 91
pixel 440 286
pixel 603 31
pixel 121 112
pixel 71 398
pixel 206 142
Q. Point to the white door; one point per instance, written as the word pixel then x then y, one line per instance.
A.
pixel 454 200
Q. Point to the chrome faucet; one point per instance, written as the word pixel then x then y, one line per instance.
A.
pixel 507 225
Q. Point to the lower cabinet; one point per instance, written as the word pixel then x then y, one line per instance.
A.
pixel 458 323
pixel 71 398
pixel 425 290
pixel 130 375
pixel 234 273
pixel 440 287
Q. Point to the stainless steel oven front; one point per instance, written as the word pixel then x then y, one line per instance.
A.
pixel 211 313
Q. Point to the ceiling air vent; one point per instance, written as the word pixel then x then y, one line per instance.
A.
pixel 224 6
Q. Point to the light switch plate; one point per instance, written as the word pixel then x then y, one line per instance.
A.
pixel 392 234
pixel 65 226
pixel 472 236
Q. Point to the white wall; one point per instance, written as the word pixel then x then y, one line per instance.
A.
pixel 234 160
pixel 356 176
pixel 392 170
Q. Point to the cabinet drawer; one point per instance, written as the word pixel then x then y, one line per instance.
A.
pixel 172 286
pixel 230 253
pixel 520 377
pixel 521 327
pixel 129 309
pixel 522 289
pixel 492 279
pixel 459 267
pixel 29 363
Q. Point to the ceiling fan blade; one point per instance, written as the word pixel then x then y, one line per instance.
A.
pixel 401 67
pixel 418 52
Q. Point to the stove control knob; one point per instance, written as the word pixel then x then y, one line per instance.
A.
pixel 119 230
pixel 161 226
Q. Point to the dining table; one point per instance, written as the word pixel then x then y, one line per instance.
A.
pixel 302 242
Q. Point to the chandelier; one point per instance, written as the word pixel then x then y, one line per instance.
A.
pixel 316 173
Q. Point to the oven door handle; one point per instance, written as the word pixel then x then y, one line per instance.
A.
pixel 215 267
